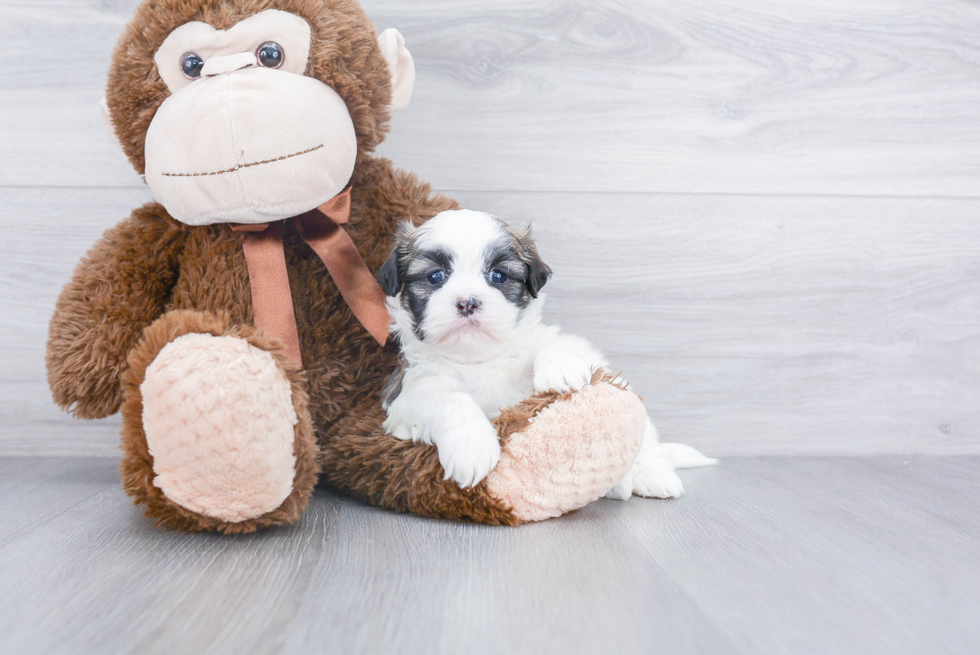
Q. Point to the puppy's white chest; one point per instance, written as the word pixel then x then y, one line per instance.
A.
pixel 496 385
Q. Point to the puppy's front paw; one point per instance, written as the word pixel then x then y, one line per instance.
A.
pixel 468 450
pixel 561 370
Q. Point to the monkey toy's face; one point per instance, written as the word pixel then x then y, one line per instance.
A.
pixel 246 134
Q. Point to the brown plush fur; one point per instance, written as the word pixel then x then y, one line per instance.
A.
pixel 120 287
pixel 137 463
pixel 403 475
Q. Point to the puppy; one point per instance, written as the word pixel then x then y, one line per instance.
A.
pixel 464 294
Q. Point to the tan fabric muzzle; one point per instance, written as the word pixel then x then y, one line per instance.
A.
pixel 272 301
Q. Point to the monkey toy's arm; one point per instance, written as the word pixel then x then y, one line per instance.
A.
pixel 118 288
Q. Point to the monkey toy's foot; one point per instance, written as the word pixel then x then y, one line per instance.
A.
pixel 572 449
pixel 216 432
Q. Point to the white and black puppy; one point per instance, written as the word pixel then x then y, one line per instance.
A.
pixel 464 294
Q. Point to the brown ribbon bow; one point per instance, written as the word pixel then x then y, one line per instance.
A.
pixel 272 302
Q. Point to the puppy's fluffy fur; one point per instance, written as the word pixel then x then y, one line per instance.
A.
pixel 464 294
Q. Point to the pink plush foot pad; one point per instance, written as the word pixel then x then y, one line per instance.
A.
pixel 219 422
pixel 573 452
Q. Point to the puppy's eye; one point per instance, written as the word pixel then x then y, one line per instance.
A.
pixel 270 54
pixel 191 64
pixel 437 276
pixel 497 276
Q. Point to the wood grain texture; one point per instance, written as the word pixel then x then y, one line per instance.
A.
pixel 711 96
pixel 763 555
pixel 33 491
pixel 45 233
pixel 751 325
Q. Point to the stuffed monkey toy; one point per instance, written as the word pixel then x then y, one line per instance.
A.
pixel 235 322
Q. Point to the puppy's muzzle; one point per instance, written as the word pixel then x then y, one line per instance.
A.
pixel 467 307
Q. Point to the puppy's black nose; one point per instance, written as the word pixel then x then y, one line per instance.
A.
pixel 467 307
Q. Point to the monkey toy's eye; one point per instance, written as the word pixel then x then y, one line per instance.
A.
pixel 497 276
pixel 270 54
pixel 191 64
pixel 437 276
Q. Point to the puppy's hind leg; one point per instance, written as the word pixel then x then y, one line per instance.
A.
pixel 623 489
pixel 652 474
pixel 654 477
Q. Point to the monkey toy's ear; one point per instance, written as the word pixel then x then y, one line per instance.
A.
pixel 401 65
pixel 107 123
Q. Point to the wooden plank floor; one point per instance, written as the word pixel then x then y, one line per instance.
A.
pixel 763 555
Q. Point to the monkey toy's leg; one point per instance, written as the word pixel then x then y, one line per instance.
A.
pixel 559 453
pixel 216 430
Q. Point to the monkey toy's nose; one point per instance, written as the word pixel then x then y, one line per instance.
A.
pixel 228 63
pixel 467 307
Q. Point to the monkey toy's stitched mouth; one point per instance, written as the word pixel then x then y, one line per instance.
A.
pixel 238 167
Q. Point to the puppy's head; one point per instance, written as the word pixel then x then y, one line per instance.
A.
pixel 462 281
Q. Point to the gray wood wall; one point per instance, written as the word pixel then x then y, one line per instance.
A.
pixel 767 212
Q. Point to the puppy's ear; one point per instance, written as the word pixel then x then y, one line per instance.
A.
pixel 387 275
pixel 390 275
pixel 538 273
